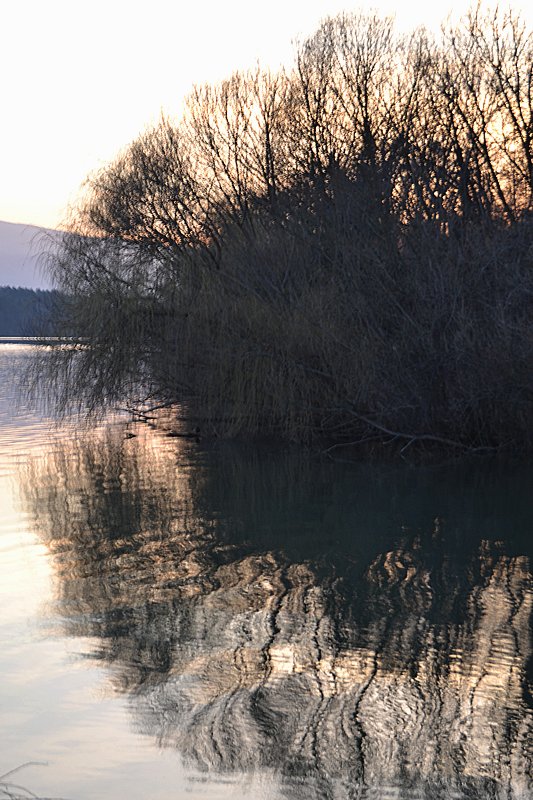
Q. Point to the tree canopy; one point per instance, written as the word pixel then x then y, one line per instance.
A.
pixel 341 249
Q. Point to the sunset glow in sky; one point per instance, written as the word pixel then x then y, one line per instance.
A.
pixel 81 80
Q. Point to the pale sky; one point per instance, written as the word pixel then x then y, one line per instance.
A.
pixel 81 79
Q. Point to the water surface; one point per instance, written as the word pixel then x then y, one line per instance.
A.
pixel 185 619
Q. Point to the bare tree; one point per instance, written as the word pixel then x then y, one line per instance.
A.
pixel 336 250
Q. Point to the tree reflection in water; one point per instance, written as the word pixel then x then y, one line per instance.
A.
pixel 360 631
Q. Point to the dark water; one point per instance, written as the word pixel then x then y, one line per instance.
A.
pixel 219 621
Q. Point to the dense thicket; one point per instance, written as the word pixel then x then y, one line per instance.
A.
pixel 343 249
pixel 26 312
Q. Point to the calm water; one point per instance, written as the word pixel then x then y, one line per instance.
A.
pixel 190 621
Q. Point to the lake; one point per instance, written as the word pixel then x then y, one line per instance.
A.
pixel 187 619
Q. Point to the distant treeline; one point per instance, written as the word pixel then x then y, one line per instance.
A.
pixel 341 250
pixel 27 312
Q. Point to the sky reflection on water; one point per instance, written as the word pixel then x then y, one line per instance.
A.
pixel 277 625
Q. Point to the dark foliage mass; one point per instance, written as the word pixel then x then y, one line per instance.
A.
pixel 341 250
pixel 26 312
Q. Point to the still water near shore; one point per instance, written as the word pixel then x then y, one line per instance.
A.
pixel 183 619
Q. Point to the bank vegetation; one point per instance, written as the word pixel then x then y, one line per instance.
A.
pixel 341 251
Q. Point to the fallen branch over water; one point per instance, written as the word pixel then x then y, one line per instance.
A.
pixel 13 791
pixel 411 438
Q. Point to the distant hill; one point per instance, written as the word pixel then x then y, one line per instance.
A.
pixel 27 312
pixel 20 246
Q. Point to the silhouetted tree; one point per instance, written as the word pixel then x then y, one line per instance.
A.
pixel 340 249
